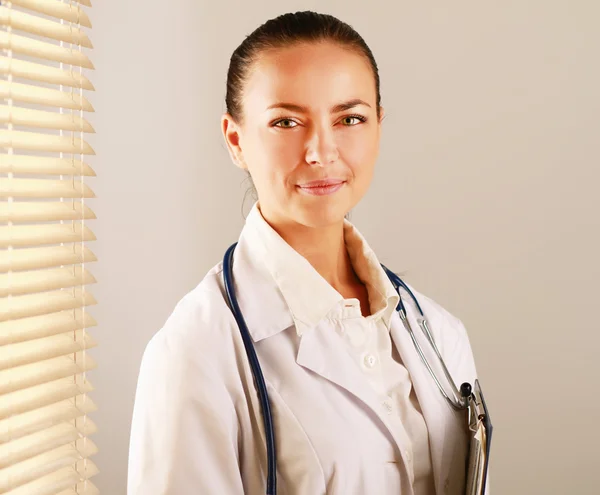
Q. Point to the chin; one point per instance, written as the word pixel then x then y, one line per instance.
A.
pixel 323 216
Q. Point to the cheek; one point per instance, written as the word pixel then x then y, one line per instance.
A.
pixel 277 156
pixel 270 161
pixel 286 150
pixel 361 155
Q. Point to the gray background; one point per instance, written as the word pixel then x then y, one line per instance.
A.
pixel 485 196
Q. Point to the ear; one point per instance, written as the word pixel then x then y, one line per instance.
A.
pixel 382 114
pixel 232 135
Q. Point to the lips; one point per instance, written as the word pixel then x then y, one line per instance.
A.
pixel 321 187
pixel 321 183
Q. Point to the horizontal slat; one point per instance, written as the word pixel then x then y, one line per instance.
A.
pixel 12 308
pixel 44 188
pixel 83 488
pixel 44 165
pixel 61 479
pixel 43 441
pixel 31 282
pixel 35 374
pixel 33 351
pixel 41 119
pixel 39 235
pixel 33 421
pixel 34 24
pixel 26 93
pixel 39 396
pixel 58 480
pixel 55 8
pixel 48 462
pixel 44 50
pixel 34 258
pixel 36 327
pixel 21 212
pixel 34 141
pixel 44 73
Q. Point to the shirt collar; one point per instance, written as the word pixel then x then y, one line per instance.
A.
pixel 300 289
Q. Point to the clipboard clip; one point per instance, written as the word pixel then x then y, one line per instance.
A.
pixel 480 436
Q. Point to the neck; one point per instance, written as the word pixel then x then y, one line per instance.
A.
pixel 324 248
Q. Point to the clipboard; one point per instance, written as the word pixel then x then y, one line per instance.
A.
pixel 480 439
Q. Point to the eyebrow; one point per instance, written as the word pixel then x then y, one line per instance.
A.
pixel 340 107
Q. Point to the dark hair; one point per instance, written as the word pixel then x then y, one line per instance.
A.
pixel 283 31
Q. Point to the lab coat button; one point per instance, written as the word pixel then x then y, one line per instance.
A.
pixel 408 457
pixel 370 360
pixel 387 406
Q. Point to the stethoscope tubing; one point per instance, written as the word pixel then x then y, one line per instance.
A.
pixel 459 402
pixel 256 371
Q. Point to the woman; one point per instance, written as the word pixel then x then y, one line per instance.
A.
pixel 354 409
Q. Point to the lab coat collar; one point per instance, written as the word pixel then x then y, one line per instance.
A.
pixel 298 294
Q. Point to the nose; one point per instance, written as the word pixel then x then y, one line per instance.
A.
pixel 321 148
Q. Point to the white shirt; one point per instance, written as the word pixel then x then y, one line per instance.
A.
pixel 370 344
pixel 368 339
pixel 197 424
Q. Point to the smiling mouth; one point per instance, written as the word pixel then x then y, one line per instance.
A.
pixel 321 187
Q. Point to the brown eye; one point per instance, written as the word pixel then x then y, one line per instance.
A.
pixel 287 122
pixel 351 117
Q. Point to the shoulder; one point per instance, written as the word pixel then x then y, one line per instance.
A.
pixel 434 310
pixel 448 330
pixel 188 393
pixel 198 333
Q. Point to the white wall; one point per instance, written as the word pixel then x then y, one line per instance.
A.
pixel 490 155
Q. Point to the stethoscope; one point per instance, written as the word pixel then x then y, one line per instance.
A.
pixel 457 399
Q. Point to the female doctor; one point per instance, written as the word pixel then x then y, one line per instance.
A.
pixel 354 409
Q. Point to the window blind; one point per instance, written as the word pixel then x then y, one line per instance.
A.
pixel 45 445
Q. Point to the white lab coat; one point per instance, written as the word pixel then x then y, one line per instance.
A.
pixel 197 424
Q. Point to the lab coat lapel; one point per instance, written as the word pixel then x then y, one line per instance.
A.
pixel 321 351
pixel 430 399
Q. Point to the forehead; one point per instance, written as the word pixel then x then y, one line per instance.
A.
pixel 311 74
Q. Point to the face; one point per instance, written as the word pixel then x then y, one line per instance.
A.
pixel 310 133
